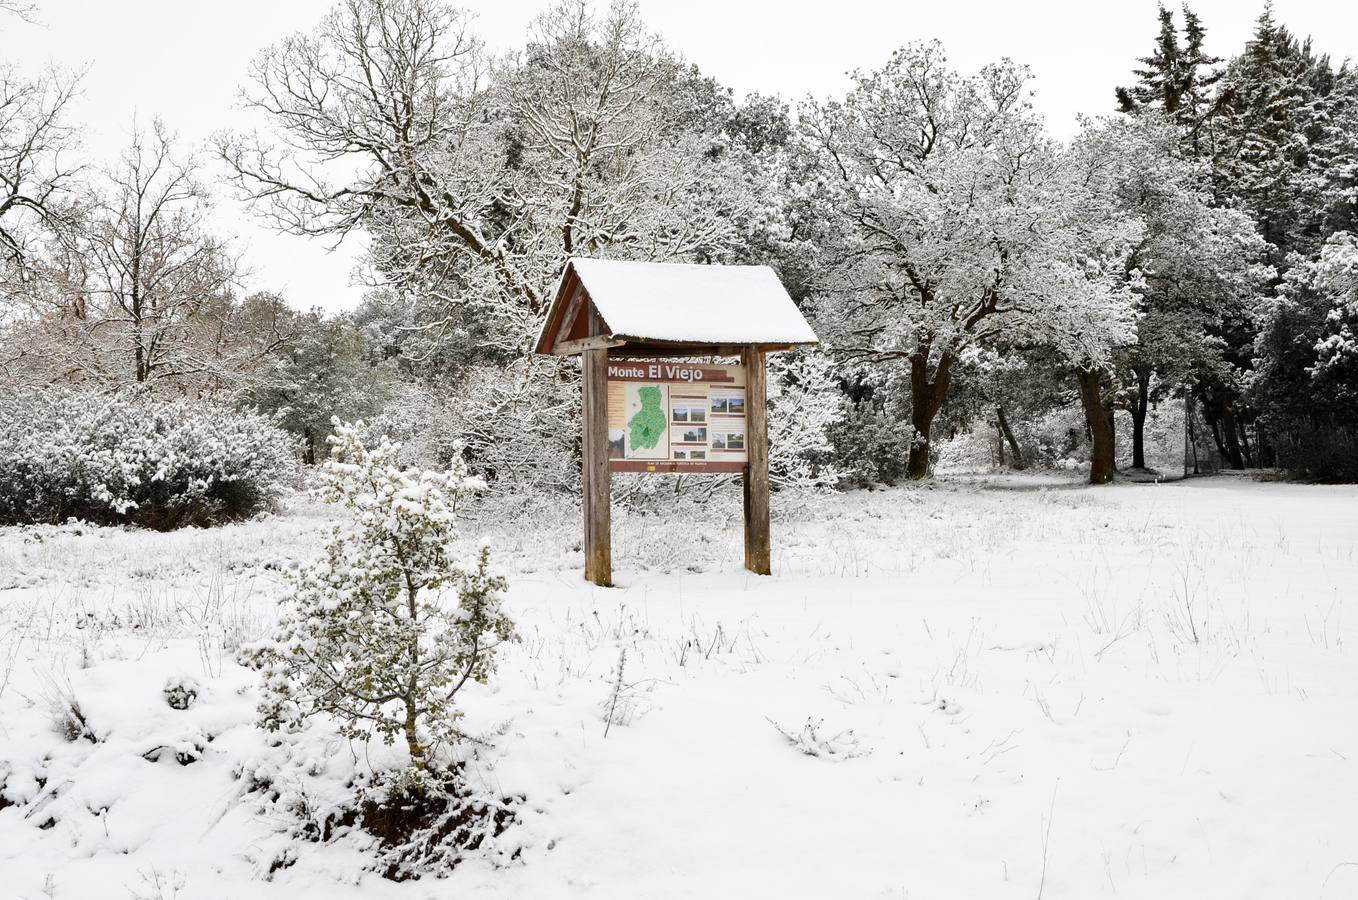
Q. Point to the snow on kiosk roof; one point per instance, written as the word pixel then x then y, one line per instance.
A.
pixel 670 309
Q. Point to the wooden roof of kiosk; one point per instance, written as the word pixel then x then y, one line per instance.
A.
pixel 670 309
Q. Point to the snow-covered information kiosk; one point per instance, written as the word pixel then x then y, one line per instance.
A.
pixel 651 403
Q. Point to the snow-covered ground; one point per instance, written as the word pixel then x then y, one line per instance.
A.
pixel 1016 687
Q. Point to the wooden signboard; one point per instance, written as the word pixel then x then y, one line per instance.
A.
pixel 642 410
pixel 676 417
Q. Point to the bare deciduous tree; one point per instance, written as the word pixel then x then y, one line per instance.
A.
pixel 476 179
pixel 21 8
pixel 135 290
pixel 35 173
pixel 378 112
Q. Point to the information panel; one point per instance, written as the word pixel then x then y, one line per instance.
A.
pixel 675 417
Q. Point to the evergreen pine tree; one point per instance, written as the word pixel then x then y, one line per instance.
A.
pixel 1177 80
pixel 1160 80
pixel 1336 156
pixel 1199 76
pixel 1276 107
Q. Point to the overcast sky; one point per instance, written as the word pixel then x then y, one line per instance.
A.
pixel 183 60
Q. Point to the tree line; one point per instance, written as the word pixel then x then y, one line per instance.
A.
pixel 965 269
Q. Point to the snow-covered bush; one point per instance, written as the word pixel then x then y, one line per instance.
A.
pixel 521 424
pixel 517 427
pixel 871 442
pixel 805 404
pixel 180 691
pixel 135 460
pixel 1050 439
pixel 367 636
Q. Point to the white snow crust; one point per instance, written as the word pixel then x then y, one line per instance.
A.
pixel 997 688
pixel 685 302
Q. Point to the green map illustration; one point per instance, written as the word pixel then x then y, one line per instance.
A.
pixel 648 425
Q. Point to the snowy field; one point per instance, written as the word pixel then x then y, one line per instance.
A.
pixel 1004 688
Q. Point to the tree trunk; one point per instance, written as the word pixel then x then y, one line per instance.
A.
pixel 1215 424
pixel 1140 405
pixel 1230 434
pixel 1008 434
pixel 411 726
pixel 1245 443
pixel 138 337
pixel 1190 437
pixel 1111 415
pixel 1219 410
pixel 418 755
pixel 917 464
pixel 1097 418
pixel 1263 446
pixel 926 399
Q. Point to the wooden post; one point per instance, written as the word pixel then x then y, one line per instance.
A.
pixel 1188 431
pixel 756 480
pixel 594 476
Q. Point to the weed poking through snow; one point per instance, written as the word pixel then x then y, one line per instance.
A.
pixel 811 741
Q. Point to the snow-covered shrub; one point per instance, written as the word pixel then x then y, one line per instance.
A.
pixel 518 427
pixel 420 417
pixel 872 440
pixel 367 636
pixel 68 717
pixel 805 404
pixel 1054 436
pixel 521 424
pixel 180 691
pixel 135 460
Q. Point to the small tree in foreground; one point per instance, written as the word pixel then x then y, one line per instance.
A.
pixel 369 636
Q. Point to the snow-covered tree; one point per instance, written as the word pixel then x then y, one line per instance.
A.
pixel 1305 377
pixel 1336 349
pixel 1196 266
pixel 1270 141
pixel 1176 81
pixel 320 371
pixel 1338 155
pixel 955 222
pixel 369 635
pixel 475 179
pixel 1283 150
pixel 616 159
